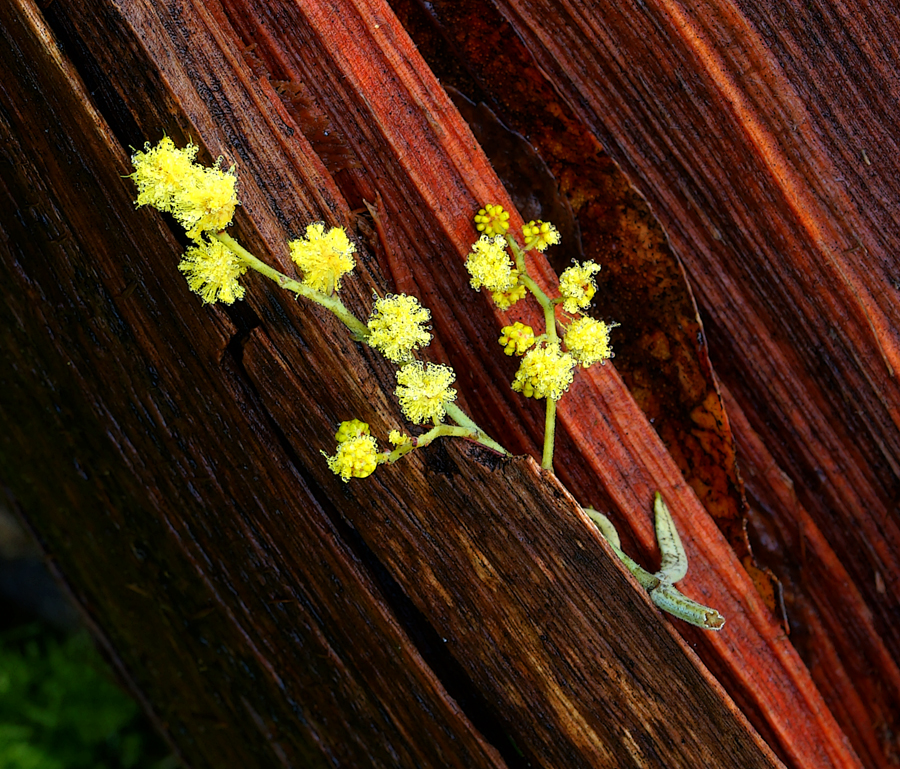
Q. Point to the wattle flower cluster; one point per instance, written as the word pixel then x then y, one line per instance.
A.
pixel 548 362
pixel 212 271
pixel 357 451
pixel 398 326
pixel 578 286
pixel 423 390
pixel 202 200
pixel 490 266
pixel 545 372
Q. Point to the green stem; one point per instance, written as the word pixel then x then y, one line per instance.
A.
pixel 659 585
pixel 480 436
pixel 444 431
pixel 548 306
pixel 544 300
pixel 549 433
pixel 332 303
pixel 518 254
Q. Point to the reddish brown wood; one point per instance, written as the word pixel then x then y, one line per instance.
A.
pixel 749 132
pixel 815 578
pixel 663 115
pixel 660 349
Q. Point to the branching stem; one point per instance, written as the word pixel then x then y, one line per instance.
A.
pixel 332 303
pixel 467 427
pixel 661 586
pixel 549 308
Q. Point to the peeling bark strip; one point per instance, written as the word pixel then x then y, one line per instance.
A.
pixel 198 485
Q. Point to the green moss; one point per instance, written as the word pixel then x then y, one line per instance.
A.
pixel 61 709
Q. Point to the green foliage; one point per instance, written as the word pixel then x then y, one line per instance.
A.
pixel 60 708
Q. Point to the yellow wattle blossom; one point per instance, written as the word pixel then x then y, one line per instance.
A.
pixel 397 326
pixel 201 199
pixel 206 200
pixel 355 458
pixel 212 271
pixel 353 428
pixel 323 257
pixel 506 299
pixel 545 372
pixel 587 340
pixel 492 220
pixel 516 338
pixel 423 390
pixel 160 171
pixel 398 439
pixel 489 265
pixel 578 286
pixel 539 235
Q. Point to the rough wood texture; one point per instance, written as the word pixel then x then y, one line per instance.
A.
pixel 610 446
pixel 198 483
pixel 759 137
pixel 139 454
pixel 761 142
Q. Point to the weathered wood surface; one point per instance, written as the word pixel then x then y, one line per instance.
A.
pixel 206 427
pixel 762 140
pixel 626 461
pixel 139 453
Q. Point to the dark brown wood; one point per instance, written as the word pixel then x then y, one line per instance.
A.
pixel 180 443
pixel 143 459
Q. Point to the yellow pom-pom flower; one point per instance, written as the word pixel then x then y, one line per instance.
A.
pixel 206 200
pixel 160 171
pixel 516 338
pixel 352 428
pixel 423 390
pixel 578 286
pixel 492 220
pixel 588 341
pixel 539 235
pixel 506 299
pixel 355 458
pixel 212 271
pixel 201 199
pixel 545 372
pixel 323 257
pixel 489 265
pixel 398 326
